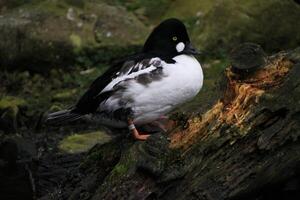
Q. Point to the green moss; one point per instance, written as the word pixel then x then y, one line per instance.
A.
pixel 10 4
pixel 126 163
pixel 152 10
pixel 105 155
pixel 82 142
pixel 11 102
pixel 76 3
pixel 216 25
pixel 76 41
pixel 9 107
pixel 66 94
pixel 57 8
pixel 95 156
pixel 185 9
pixel 120 169
pixel 230 23
pixel 55 108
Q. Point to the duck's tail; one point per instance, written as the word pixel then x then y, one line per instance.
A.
pixel 61 117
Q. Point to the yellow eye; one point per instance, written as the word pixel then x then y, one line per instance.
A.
pixel 174 38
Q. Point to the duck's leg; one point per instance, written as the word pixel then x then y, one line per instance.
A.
pixel 135 132
pixel 164 123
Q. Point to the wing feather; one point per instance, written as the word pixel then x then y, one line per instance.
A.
pixel 111 80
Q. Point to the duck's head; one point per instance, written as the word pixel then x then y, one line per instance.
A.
pixel 169 38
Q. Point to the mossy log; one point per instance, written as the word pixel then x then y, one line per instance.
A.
pixel 246 146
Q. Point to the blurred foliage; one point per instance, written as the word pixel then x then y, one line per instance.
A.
pixel 40 92
pixel 104 55
pixel 10 101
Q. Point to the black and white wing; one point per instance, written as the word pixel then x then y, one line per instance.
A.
pixel 112 81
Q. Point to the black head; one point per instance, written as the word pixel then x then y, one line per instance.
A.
pixel 169 38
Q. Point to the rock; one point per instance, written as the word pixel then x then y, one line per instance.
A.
pixel 116 26
pixel 217 25
pixel 53 170
pixel 17 155
pixel 49 33
pixel 189 9
pixel 148 11
pixel 9 4
pixel 8 153
pixel 294 55
pixel 254 22
pixel 16 148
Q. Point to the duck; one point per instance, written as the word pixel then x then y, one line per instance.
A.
pixel 142 87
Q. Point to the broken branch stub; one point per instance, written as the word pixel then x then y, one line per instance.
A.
pixel 247 58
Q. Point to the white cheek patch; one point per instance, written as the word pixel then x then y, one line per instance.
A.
pixel 179 47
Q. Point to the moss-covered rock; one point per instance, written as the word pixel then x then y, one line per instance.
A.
pixel 10 4
pixel 147 11
pixel 78 143
pixel 218 24
pixel 189 8
pixel 38 34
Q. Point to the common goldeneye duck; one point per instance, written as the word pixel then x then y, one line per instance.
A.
pixel 143 87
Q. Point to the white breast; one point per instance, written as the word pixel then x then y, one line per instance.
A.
pixel 186 77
